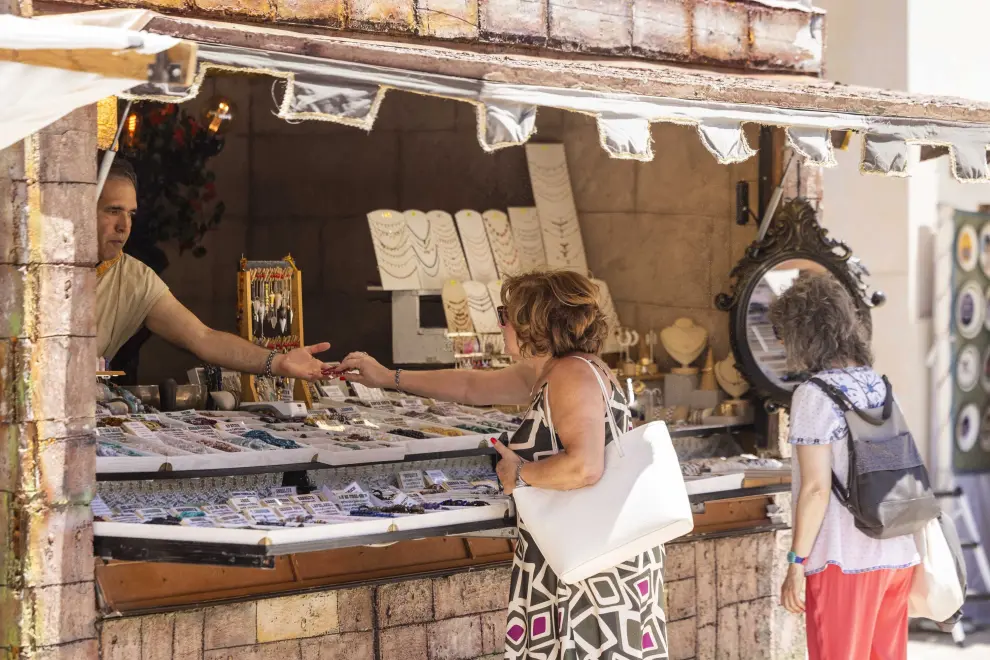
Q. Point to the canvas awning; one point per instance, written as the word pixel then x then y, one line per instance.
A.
pixel 52 65
pixel 345 80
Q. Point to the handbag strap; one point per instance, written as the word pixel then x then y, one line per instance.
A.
pixel 608 408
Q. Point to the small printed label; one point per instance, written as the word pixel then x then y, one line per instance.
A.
pixel 411 480
pixel 244 493
pixel 412 404
pixel 197 522
pixel 233 519
pixel 140 430
pixel 353 487
pixel 127 518
pixel 109 432
pixel 238 503
pixel 179 510
pixel 350 501
pixel 380 405
pixel 273 501
pixel 217 509
pixel 331 392
pixel 151 513
pixel 234 428
pixel 323 509
pixel 99 508
pixel 285 491
pixel 305 499
pixel 458 485
pixel 262 515
pixel 435 477
pixel 290 511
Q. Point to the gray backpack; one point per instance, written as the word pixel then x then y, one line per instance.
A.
pixel 888 491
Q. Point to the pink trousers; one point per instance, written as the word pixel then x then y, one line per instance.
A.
pixel 858 616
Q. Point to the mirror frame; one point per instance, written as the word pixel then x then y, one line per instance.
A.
pixel 794 233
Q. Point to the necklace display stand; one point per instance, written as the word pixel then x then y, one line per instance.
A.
pixel 453 266
pixel 455 308
pixel 684 341
pixel 503 243
pixel 481 309
pixel 424 245
pixel 528 235
pixel 270 315
pixel 555 203
pixel 611 315
pixel 398 264
pixel 481 263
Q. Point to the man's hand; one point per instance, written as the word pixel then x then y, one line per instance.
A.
pixel 300 363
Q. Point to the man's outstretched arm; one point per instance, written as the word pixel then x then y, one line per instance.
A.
pixel 171 320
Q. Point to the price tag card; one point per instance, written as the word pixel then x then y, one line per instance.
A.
pixel 243 493
pixel 127 518
pixel 239 503
pixel 349 501
pixel 291 511
pixel 233 520
pixel 305 499
pixel 284 492
pixel 140 430
pixel 435 477
pixel 197 522
pixel 413 404
pixel 100 508
pixel 217 509
pixel 332 392
pixel 109 432
pixel 151 513
pixel 321 509
pixel 458 485
pixel 411 480
pixel 380 405
pixel 234 428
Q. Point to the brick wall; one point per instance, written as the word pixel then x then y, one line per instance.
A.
pixel 662 234
pixel 728 32
pixel 721 603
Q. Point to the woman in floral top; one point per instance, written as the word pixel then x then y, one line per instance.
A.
pixel 855 587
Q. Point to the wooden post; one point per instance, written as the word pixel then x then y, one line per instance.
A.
pixel 47 365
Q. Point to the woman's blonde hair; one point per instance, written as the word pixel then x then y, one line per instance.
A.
pixel 555 313
pixel 820 325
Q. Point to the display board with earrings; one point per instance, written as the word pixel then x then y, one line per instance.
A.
pixel 269 314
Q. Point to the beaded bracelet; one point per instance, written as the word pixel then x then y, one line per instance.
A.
pixel 268 364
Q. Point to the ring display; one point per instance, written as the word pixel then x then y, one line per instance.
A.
pixel 966 253
pixel 967 427
pixel 970 310
pixel 968 368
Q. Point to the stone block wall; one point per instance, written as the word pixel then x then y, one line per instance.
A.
pixel 459 617
pixel 721 603
pixel 47 348
pixel 662 234
pixel 736 33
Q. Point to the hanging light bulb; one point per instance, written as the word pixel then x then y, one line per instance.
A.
pixel 131 129
pixel 218 114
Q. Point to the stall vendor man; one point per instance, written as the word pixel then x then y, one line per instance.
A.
pixel 129 295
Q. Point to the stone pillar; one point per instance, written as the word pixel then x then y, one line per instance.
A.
pixel 47 358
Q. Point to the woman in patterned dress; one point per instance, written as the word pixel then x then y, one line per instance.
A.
pixel 554 329
pixel 855 587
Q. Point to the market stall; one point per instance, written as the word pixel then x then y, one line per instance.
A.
pixel 249 513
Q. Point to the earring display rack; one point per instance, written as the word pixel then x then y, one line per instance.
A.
pixel 503 243
pixel 528 235
pixel 480 261
pixel 555 204
pixel 270 315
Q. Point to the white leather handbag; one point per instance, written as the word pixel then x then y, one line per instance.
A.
pixel 639 503
pixel 938 586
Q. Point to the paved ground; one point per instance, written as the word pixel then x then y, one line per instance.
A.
pixel 940 647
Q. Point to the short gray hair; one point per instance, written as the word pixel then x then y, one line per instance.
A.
pixel 120 168
pixel 820 325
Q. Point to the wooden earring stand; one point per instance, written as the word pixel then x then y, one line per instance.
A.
pixel 259 273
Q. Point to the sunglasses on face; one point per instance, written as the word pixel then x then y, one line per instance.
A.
pixel 503 315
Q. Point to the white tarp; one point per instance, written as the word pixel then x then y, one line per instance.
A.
pixel 35 96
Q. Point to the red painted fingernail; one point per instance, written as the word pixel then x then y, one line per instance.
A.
pixel 493 441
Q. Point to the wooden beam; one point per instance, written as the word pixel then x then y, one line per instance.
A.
pixel 603 75
pixel 128 64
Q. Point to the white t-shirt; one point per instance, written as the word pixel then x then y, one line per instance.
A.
pixel 816 419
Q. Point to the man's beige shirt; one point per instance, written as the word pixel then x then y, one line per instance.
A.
pixel 125 294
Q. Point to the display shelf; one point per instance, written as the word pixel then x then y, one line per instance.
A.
pixel 225 465
pixel 259 547
pixel 739 493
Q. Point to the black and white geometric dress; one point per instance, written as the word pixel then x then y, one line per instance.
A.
pixel 615 615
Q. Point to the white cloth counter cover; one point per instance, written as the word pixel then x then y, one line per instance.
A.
pixel 350 93
pixel 35 96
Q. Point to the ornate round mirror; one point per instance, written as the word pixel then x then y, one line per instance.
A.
pixel 793 243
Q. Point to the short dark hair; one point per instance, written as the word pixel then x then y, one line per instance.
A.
pixel 121 168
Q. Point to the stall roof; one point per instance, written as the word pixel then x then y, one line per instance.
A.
pixel 345 79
